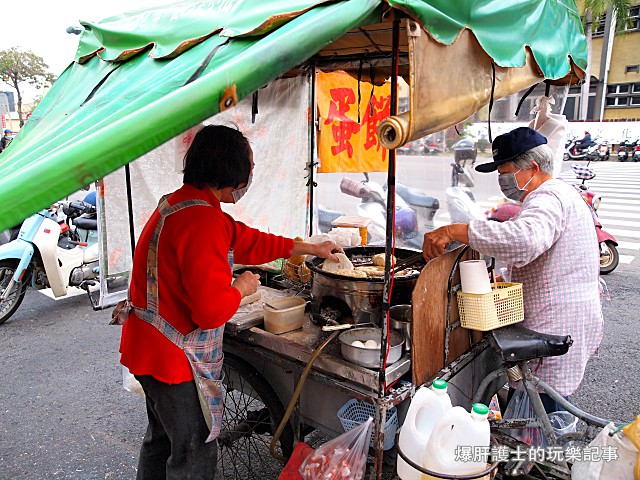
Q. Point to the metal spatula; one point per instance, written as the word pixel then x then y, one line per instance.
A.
pixel 407 262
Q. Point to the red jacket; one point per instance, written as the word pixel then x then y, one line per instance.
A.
pixel 194 280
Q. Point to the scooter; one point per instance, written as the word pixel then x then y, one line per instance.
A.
pixel 636 151
pixel 609 257
pixel 425 206
pixel 86 221
pixel 603 150
pixel 373 206
pixel 461 202
pixel 47 253
pixel 625 149
pixel 576 151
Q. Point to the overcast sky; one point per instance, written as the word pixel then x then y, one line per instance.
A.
pixel 40 26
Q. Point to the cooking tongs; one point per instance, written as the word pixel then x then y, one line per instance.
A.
pixel 407 262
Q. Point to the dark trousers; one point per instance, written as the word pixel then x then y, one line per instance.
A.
pixel 174 445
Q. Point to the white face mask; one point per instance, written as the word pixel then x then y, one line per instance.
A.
pixel 509 186
pixel 238 193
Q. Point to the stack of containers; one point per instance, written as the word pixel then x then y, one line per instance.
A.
pixel 442 438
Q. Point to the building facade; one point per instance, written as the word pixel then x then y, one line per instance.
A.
pixel 615 89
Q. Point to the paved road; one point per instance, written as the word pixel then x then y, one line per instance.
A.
pixel 64 414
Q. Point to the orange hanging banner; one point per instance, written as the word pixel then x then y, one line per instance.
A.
pixel 347 141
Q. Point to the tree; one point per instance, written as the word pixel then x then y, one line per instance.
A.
pixel 17 67
pixel 594 9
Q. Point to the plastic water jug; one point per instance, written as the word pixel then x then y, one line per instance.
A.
pixel 459 443
pixel 427 408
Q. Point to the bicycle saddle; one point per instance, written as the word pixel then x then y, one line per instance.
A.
pixel 516 344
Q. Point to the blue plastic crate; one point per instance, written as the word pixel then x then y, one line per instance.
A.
pixel 355 412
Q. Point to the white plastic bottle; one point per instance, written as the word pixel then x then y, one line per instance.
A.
pixel 459 443
pixel 427 408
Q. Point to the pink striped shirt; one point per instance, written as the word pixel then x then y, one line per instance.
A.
pixel 552 248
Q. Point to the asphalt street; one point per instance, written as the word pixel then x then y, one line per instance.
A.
pixel 65 415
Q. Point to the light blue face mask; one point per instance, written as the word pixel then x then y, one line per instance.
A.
pixel 510 188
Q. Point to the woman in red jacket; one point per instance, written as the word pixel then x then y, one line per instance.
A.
pixel 182 292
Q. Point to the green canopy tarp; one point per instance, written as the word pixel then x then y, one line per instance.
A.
pixel 141 78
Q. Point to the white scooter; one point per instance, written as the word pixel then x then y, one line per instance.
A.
pixel 461 202
pixel 47 253
pixel 373 206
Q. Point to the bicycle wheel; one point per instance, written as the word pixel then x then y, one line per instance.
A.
pixel 252 412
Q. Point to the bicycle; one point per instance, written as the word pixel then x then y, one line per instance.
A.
pixel 513 347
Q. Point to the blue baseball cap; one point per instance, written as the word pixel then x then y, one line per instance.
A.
pixel 508 146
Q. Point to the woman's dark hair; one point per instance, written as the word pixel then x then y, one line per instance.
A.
pixel 219 157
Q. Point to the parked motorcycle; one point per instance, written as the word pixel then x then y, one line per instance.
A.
pixel 48 252
pixel 425 206
pixel 603 150
pixel 85 212
pixel 461 202
pixel 609 256
pixel 636 151
pixel 625 150
pixel 414 211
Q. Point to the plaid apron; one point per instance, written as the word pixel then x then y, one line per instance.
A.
pixel 203 348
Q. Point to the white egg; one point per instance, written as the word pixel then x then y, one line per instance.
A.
pixel 357 343
pixel 371 344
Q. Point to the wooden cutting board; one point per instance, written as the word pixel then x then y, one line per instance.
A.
pixel 430 318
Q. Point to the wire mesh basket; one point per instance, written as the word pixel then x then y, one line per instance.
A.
pixel 487 311
pixel 356 412
pixel 298 274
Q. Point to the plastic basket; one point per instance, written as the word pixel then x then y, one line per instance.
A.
pixel 487 311
pixel 355 412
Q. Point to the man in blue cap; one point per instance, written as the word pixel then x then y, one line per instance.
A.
pixel 6 139
pixel 550 247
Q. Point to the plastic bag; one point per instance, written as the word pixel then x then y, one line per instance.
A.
pixel 553 126
pixel 520 407
pixel 616 458
pixel 343 458
pixel 130 383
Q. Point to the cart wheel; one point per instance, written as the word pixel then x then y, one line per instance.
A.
pixel 252 412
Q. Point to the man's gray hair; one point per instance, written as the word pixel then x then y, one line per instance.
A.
pixel 542 155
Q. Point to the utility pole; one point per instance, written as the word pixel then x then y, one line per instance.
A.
pixel 586 86
pixel 605 63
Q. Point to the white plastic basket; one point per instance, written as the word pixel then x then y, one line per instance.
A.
pixel 355 412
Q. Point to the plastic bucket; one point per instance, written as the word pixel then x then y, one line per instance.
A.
pixel 287 315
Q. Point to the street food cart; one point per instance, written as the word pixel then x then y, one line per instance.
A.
pixel 144 78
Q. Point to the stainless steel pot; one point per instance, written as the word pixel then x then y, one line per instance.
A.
pixel 401 320
pixel 358 300
pixel 369 357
